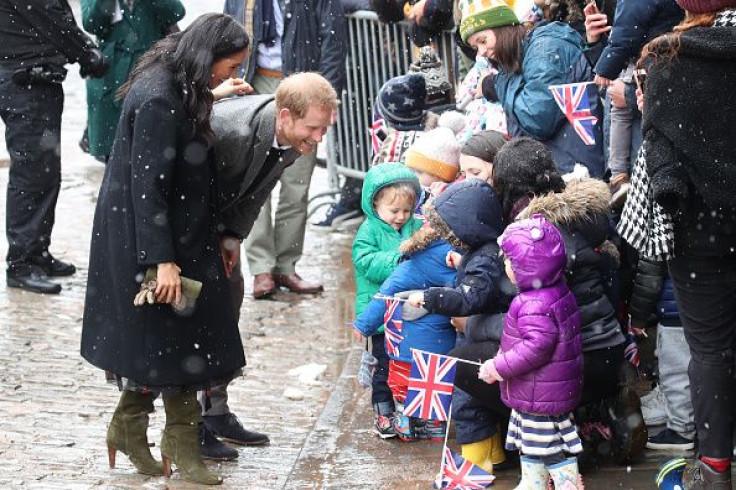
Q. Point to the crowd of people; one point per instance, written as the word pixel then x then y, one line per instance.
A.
pixel 542 234
pixel 609 238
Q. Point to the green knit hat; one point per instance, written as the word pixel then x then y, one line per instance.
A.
pixel 478 15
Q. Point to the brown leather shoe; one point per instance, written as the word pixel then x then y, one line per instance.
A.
pixel 296 284
pixel 263 285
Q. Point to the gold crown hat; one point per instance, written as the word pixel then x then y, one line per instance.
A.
pixel 479 15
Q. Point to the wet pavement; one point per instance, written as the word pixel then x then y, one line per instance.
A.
pixel 54 407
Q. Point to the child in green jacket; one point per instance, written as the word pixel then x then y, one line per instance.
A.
pixel 390 193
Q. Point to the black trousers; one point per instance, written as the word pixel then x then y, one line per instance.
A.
pixel 705 289
pixel 380 392
pixel 32 117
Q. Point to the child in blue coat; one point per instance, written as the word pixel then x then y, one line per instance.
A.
pixel 426 267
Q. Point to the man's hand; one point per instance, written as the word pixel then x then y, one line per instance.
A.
pixel 616 92
pixel 168 283
pixel 230 250
pixel 640 100
pixel 596 23
pixel 357 335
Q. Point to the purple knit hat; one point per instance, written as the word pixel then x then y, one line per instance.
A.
pixel 705 6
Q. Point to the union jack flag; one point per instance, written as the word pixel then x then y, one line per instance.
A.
pixel 460 474
pixel 393 325
pixel 431 382
pixel 572 99
pixel 631 352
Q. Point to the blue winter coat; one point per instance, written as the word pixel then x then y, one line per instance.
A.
pixel 552 55
pixel 637 22
pixel 432 332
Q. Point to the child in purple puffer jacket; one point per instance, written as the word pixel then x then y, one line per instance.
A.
pixel 540 362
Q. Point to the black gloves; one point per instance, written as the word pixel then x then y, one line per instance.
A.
pixel 93 65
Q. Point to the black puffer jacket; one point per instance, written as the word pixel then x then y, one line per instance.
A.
pixel 581 214
pixel 468 216
pixel 653 297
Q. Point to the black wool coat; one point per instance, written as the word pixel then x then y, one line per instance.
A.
pixel 157 204
pixel 690 139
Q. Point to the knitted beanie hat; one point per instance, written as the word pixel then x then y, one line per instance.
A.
pixel 401 101
pixel 705 6
pixel 436 152
pixel 479 15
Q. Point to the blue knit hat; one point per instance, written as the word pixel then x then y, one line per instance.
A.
pixel 401 102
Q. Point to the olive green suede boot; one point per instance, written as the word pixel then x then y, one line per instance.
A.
pixel 180 440
pixel 127 432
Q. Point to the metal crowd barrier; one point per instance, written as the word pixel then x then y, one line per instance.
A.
pixel 376 52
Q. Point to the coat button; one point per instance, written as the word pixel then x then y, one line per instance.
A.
pixel 143 255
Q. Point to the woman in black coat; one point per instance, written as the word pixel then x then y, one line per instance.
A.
pixel 157 210
pixel 689 134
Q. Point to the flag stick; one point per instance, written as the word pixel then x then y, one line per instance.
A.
pixel 450 357
pixel 444 445
pixel 391 298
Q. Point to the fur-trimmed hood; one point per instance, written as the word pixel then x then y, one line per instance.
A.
pixel 584 206
pixel 419 240
pixel 581 201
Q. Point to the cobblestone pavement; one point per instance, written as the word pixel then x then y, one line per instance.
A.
pixel 55 407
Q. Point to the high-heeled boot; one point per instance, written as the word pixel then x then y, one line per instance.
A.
pixel 180 440
pixel 127 432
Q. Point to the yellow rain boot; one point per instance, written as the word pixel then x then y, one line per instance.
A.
pixel 479 453
pixel 498 454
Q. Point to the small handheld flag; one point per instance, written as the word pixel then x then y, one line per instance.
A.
pixel 431 382
pixel 572 99
pixel 393 325
pixel 460 474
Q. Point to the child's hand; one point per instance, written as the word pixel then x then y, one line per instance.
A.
pixel 358 336
pixel 488 373
pixel 453 259
pixel 232 86
pixel 459 323
pixel 416 299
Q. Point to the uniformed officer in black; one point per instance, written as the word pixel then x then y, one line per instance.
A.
pixel 37 38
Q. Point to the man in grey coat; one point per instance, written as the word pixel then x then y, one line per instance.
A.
pixel 288 37
pixel 258 137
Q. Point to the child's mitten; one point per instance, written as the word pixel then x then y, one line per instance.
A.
pixel 365 373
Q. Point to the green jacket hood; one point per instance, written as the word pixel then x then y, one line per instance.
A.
pixel 378 177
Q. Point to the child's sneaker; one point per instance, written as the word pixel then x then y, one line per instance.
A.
pixel 434 430
pixel 384 427
pixel 403 428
